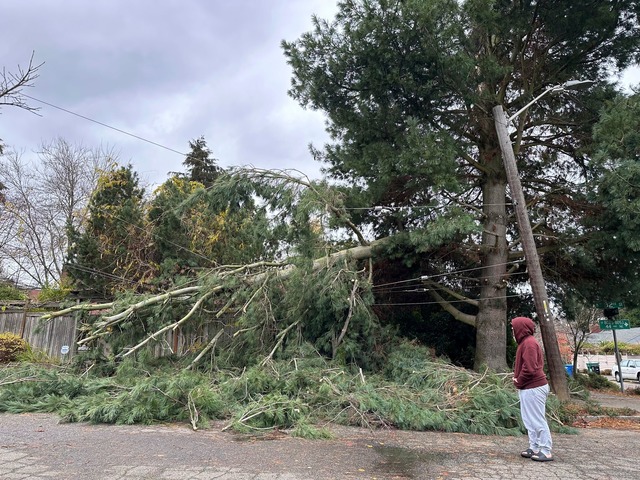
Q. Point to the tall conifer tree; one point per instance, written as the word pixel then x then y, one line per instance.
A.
pixel 408 88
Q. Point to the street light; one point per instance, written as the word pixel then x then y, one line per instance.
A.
pixel 547 329
pixel 570 85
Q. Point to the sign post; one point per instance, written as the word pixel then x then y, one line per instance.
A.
pixel 613 324
pixel 615 347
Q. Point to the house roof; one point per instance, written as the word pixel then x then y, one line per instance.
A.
pixel 630 335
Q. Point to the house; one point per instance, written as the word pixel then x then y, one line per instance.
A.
pixel 628 335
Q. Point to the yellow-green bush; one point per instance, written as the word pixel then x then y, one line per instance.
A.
pixel 54 294
pixel 11 346
pixel 9 292
pixel 608 348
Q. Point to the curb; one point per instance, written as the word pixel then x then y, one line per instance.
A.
pixel 593 418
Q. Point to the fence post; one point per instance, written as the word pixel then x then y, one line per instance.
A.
pixel 23 325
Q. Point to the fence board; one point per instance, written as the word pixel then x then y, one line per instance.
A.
pixel 49 336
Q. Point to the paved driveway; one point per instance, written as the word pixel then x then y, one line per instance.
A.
pixel 36 447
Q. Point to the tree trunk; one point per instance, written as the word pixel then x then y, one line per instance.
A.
pixel 491 332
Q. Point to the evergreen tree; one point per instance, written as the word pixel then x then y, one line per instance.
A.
pixel 614 244
pixel 110 252
pixel 408 89
pixel 196 228
pixel 201 167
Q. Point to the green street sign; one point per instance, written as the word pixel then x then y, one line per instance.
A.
pixel 609 305
pixel 619 324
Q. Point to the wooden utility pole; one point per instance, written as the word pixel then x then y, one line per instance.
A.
pixel 555 364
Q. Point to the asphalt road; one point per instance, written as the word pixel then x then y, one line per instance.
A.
pixel 37 447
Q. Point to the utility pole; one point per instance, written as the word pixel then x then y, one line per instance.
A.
pixel 547 329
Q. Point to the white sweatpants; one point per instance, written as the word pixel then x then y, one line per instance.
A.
pixel 532 408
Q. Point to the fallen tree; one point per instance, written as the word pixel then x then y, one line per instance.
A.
pixel 326 300
pixel 302 395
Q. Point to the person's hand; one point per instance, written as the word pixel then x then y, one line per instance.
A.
pixel 515 381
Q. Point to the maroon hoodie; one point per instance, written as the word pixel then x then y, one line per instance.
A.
pixel 528 370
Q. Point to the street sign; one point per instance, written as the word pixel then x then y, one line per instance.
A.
pixel 609 305
pixel 619 324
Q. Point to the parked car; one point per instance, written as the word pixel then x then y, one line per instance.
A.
pixel 630 369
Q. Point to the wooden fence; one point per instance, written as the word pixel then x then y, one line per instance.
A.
pixel 58 336
pixel 53 337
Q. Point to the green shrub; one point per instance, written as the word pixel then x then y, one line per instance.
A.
pixel 608 348
pixel 9 292
pixel 53 294
pixel 591 381
pixel 36 355
pixel 11 346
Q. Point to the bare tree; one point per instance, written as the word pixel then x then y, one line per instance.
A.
pixel 69 174
pixel 12 85
pixel 580 319
pixel 43 199
pixel 11 90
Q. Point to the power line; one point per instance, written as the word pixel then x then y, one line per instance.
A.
pixel 378 208
pixel 134 136
pixel 428 277
pixel 101 273
pixel 375 208
pixel 429 303
pixel 418 289
pixel 105 125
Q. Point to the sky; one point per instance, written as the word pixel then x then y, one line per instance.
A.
pixel 169 71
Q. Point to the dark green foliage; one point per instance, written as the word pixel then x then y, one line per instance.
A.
pixel 200 166
pixel 193 227
pixel 634 317
pixel 311 432
pixel 110 252
pixel 408 89
pixel 616 190
pixel 593 381
pixel 413 313
pixel 9 292
pixel 132 395
pixel 414 391
pixel 272 410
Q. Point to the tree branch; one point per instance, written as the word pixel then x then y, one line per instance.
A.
pixel 457 314
pixel 11 85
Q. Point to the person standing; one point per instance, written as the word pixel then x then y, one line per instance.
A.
pixel 533 389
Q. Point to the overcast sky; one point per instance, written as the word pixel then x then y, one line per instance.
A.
pixel 165 70
pixel 168 71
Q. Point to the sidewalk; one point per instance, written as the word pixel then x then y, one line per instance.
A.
pixel 617 400
pixel 36 446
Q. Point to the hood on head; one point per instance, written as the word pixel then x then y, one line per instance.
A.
pixel 522 327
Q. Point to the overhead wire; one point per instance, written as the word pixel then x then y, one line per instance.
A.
pixel 105 125
pixel 428 277
pixel 400 289
pixel 375 208
pixel 408 207
pixel 432 302
pixel 134 136
pixel 84 268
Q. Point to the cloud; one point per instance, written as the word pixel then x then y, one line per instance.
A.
pixel 168 71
